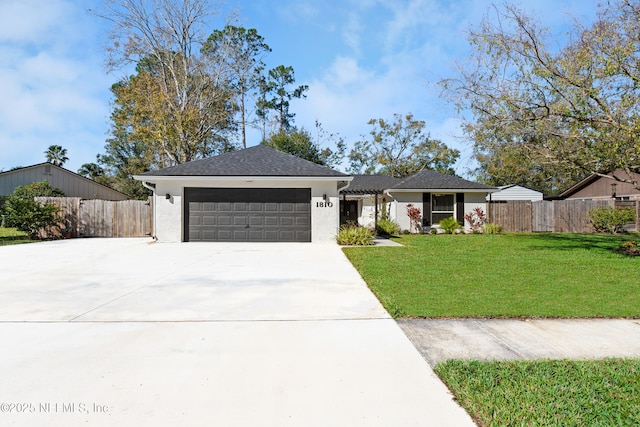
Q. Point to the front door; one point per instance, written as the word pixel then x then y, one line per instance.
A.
pixel 348 212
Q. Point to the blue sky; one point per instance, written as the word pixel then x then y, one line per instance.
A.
pixel 362 59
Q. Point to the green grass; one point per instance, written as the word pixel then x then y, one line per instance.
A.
pixel 502 276
pixel 11 236
pixel 547 393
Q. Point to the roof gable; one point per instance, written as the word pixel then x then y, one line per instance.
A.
pixel 254 161
pixel 593 185
pixel 15 177
pixel 432 180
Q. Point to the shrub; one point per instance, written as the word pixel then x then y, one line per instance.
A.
pixel 630 248
pixel 30 216
pixel 415 217
pixel 355 236
pixel 490 228
pixel 476 219
pixel 450 225
pixel 386 227
pixel 608 219
pixel 27 215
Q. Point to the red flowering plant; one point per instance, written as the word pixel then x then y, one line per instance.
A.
pixel 476 219
pixel 415 217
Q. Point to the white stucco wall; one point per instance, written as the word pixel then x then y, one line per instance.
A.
pixel 169 221
pixel 472 201
pixel 400 208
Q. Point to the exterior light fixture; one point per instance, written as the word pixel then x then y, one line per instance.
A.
pixel 167 196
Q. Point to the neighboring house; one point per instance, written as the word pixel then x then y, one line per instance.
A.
pixel 71 184
pixel 514 192
pixel 256 194
pixel 437 195
pixel 596 187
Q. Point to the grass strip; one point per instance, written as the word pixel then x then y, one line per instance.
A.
pixel 11 236
pixel 559 393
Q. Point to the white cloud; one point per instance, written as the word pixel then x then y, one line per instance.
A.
pixel 351 32
pixel 26 21
pixel 298 10
pixel 54 88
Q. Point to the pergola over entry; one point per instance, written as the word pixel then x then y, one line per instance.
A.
pixel 366 185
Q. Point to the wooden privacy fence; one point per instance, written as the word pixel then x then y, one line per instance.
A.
pixel 100 218
pixel 565 216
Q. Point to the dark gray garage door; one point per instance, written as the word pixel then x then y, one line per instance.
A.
pixel 248 214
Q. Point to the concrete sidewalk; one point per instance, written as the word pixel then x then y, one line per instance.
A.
pixel 440 340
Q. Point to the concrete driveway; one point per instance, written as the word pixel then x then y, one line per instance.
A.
pixel 130 332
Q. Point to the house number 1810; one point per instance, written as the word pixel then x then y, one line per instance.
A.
pixel 324 204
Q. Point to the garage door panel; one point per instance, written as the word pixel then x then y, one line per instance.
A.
pixel 271 221
pixel 195 220
pixel 237 214
pixel 256 207
pixel 286 221
pixel 303 222
pixel 224 207
pixel 240 235
pixel 223 235
pixel 287 207
pixel 209 219
pixel 256 221
pixel 208 234
pixel 240 207
pixel 225 220
pixel 208 207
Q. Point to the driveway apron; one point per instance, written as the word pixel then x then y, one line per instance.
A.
pixel 131 332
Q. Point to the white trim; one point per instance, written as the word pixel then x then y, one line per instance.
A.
pixel 439 190
pixel 152 178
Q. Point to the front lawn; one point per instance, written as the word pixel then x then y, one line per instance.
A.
pixel 11 236
pixel 508 275
pixel 547 393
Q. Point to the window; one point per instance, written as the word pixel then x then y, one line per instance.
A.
pixel 442 206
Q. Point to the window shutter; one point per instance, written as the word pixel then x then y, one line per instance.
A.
pixel 460 207
pixel 426 209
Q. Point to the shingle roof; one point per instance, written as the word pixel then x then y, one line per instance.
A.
pixel 431 180
pixel 370 184
pixel 254 161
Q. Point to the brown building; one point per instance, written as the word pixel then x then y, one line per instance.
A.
pixel 596 187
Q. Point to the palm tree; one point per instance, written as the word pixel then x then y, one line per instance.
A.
pixel 90 170
pixel 56 155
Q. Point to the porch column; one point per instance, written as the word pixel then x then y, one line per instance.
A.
pixel 375 217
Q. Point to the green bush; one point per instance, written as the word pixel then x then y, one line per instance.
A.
pixel 386 227
pixel 450 225
pixel 355 236
pixel 27 215
pixel 608 219
pixel 491 228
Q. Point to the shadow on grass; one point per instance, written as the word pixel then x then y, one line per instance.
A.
pixel 572 241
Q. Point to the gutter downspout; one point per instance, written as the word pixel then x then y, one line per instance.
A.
pixel 152 187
